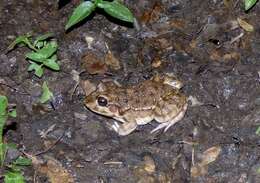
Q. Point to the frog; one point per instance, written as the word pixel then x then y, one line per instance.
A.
pixel 158 98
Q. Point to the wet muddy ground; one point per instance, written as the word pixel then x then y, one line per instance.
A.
pixel 199 41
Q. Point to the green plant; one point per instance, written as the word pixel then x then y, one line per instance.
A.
pixel 257 132
pixel 13 174
pixel 249 4
pixel 43 52
pixel 46 93
pixel 113 8
pixel 258 170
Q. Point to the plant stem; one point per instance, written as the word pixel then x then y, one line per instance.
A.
pixel 30 45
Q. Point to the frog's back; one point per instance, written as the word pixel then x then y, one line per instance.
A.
pixel 146 94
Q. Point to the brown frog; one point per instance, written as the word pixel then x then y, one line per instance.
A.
pixel 156 99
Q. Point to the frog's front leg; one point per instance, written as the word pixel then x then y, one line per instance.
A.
pixel 125 128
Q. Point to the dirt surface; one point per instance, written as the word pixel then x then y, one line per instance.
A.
pixel 199 41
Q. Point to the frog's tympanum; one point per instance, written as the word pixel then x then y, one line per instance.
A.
pixel 156 99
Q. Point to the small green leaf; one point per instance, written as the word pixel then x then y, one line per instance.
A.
pixel 3 105
pixel 35 56
pixel 258 170
pixel 11 146
pixel 33 66
pixel 38 70
pixel 51 63
pixel 117 10
pixel 3 150
pixel 39 44
pixel 43 53
pixel 49 49
pixel 98 1
pixel 46 93
pixel 21 161
pixel 20 40
pixel 80 12
pixel 14 168
pixel 42 38
pixel 13 113
pixel 257 132
pixel 249 4
pixel 13 177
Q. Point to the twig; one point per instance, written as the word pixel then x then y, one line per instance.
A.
pixel 50 147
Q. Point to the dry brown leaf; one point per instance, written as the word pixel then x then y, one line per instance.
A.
pixel 112 61
pixel 210 155
pixel 228 3
pixel 153 14
pixel 164 44
pixel 246 26
pixel 198 170
pixel 193 43
pixel 92 64
pixel 3 88
pixel 177 23
pixel 89 41
pixel 53 170
pixel 149 164
pixel 156 62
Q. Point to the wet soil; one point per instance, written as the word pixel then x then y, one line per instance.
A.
pixel 196 40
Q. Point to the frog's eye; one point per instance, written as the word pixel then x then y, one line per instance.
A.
pixel 102 101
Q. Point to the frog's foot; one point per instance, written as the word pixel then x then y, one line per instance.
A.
pixel 168 124
pixel 125 128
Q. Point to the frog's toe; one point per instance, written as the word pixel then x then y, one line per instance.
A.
pixel 115 126
pixel 160 126
pixel 166 126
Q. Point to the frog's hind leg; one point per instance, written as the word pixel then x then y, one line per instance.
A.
pixel 168 124
pixel 169 79
pixel 125 128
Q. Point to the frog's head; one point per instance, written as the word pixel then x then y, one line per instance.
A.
pixel 103 100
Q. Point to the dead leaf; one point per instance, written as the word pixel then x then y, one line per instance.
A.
pixel 178 24
pixel 3 87
pixel 193 43
pixel 92 64
pixel 198 170
pixel 53 169
pixel 156 62
pixel 228 3
pixel 144 171
pixel 244 25
pixel 89 41
pixel 149 164
pixel 210 155
pixel 153 14
pixel 164 44
pixel 112 61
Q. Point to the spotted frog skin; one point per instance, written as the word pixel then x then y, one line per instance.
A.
pixel 156 99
